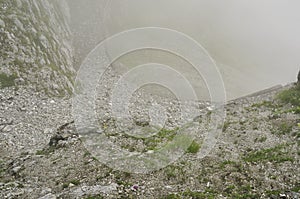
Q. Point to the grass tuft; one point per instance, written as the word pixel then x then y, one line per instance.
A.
pixel 7 80
pixel 276 154
pixel 193 148
pixel 291 96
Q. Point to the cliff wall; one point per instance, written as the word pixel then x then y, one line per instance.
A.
pixel 36 45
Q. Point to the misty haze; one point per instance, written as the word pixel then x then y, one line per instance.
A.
pixel 255 44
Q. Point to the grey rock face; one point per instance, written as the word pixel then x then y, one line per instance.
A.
pixel 36 46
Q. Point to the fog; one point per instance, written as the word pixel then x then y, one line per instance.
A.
pixel 256 44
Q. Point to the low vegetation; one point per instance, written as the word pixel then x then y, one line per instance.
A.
pixel 282 128
pixel 268 104
pixel 74 182
pixel 193 148
pixel 276 154
pixel 7 80
pixel 291 96
pixel 231 191
pixel 95 197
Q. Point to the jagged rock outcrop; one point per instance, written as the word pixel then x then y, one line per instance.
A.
pixel 36 45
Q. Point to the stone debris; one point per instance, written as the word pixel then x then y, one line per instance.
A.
pixel 42 155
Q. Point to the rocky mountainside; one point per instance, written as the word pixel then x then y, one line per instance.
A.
pixel 257 155
pixel 36 46
pixel 42 155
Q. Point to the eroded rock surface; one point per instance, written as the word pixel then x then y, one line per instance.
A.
pixel 36 46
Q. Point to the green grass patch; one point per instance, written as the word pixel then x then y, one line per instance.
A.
pixel 174 171
pixel 291 96
pixel 171 172
pixel 172 196
pixel 240 192
pixel 162 136
pixel 167 134
pixel 225 163
pixel 267 104
pixel 276 154
pixel 272 193
pixel 95 197
pixel 7 80
pixel 261 139
pixel 296 188
pixel 193 148
pixel 283 128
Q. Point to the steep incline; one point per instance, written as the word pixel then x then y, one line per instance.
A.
pixel 36 45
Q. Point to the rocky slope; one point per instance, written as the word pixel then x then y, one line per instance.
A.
pixel 36 46
pixel 257 155
pixel 43 156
